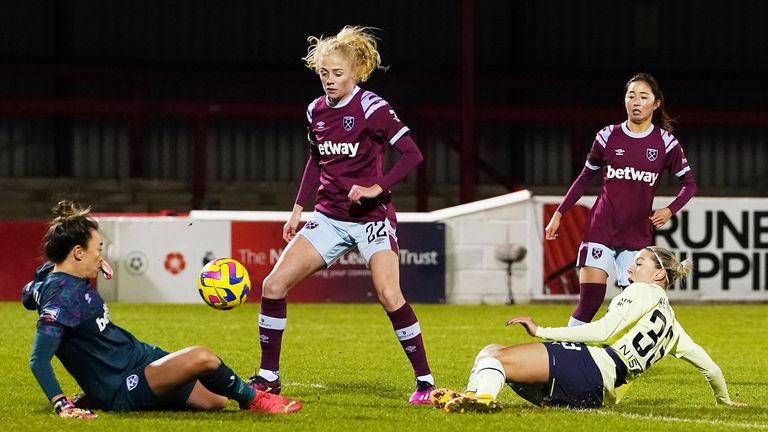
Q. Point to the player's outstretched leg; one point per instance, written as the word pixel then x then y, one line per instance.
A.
pixel 485 382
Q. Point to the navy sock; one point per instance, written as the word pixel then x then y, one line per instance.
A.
pixel 223 381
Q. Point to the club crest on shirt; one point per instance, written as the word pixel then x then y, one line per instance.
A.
pixel 348 122
pixel 132 381
pixel 652 154
pixel 597 253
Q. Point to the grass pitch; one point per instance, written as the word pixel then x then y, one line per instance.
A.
pixel 345 364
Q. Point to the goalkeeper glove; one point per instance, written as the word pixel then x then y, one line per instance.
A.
pixel 65 408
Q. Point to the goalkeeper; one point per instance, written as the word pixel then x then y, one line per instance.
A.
pixel 591 365
pixel 116 371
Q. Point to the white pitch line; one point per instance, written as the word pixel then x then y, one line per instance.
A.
pixel 312 385
pixel 685 420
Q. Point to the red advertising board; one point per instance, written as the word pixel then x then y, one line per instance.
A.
pixel 258 245
pixel 21 253
pixel 560 275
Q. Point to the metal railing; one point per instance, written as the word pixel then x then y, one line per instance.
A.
pixel 198 142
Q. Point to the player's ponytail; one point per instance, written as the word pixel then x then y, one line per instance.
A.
pixel 660 117
pixel 70 227
pixel 684 268
pixel 66 210
pixel 667 260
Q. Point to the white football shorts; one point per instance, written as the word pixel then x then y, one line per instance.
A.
pixel 604 257
pixel 332 238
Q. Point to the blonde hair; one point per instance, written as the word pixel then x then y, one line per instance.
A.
pixel 667 260
pixel 354 43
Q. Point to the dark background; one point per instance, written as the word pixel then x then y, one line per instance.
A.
pixel 546 52
pixel 552 61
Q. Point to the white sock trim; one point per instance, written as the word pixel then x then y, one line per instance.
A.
pixel 427 378
pixel 272 323
pixel 409 332
pixel 269 375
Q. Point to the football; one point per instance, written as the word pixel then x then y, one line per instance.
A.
pixel 224 283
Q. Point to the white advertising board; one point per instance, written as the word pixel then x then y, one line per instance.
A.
pixel 158 259
pixel 726 238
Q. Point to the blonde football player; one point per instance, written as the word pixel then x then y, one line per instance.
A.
pixel 350 132
pixel 590 365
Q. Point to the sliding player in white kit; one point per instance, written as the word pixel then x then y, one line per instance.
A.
pixel 590 365
pixel 350 130
pixel 632 157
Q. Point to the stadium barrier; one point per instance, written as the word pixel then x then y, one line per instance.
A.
pixel 158 259
pixel 470 234
pixel 449 255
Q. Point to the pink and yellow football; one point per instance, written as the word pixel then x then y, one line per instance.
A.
pixel 224 283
